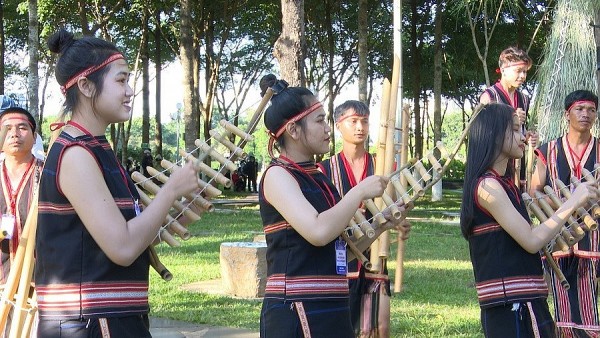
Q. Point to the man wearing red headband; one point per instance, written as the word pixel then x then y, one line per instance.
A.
pixel 576 309
pixel 513 65
pixel 19 174
pixel 369 290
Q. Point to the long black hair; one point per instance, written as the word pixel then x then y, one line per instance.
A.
pixel 486 138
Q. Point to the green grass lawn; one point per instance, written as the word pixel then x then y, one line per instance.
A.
pixel 438 298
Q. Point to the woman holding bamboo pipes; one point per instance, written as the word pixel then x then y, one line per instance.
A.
pixel 560 160
pixel 303 217
pixel 504 248
pixel 91 246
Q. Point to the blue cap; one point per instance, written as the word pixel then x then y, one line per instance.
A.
pixel 7 102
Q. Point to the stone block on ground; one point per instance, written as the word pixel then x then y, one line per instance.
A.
pixel 244 268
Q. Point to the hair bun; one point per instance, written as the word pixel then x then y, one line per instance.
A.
pixel 266 82
pixel 60 41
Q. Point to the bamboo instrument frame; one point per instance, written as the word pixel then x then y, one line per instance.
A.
pixel 365 241
pixel 589 221
pixel 539 214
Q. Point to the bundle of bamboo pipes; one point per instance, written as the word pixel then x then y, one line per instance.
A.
pixel 543 206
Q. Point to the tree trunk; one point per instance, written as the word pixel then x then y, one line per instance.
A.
pixel 158 63
pixel 289 47
pixel 2 47
pixel 49 73
pixel 597 39
pixel 436 192
pixel 416 56
pixel 186 52
pixel 145 79
pixel 33 80
pixel 363 70
pixel 330 70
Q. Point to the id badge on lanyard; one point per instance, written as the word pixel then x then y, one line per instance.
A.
pixel 8 225
pixel 341 266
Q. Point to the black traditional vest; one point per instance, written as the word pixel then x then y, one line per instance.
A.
pixel 562 167
pixel 74 277
pixel 504 271
pixel 336 170
pixel 296 269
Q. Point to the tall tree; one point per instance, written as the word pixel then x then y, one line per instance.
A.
pixel 145 58
pixel 363 70
pixel 33 48
pixel 289 48
pixel 437 89
pixel 2 47
pixel 158 82
pixel 186 56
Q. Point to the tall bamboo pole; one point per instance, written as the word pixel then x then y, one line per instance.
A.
pixel 403 160
pixel 380 159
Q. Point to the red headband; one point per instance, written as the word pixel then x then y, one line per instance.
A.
pixel 580 102
pixel 351 115
pixel 2 120
pixel 302 114
pixel 522 63
pixel 88 71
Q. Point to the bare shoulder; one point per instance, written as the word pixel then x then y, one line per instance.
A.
pixel 485 98
pixel 490 193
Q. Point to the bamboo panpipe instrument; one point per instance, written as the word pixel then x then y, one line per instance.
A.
pixel 359 254
pixel 356 231
pixel 364 224
pixel 208 171
pixel 172 223
pixel 236 131
pixel 409 164
pixel 588 220
pixel 198 200
pixel 156 264
pixel 576 230
pixel 539 214
pixel 401 192
pixel 591 222
pixel 415 185
pixel 443 151
pixel 256 118
pixel 208 189
pixel 422 171
pixel 364 242
pixel 591 178
pixel 165 236
pixel 215 155
pixel 150 186
pixel 565 233
pixel 396 213
pixel 370 205
pixel 529 165
pixel 236 151
pixel 361 226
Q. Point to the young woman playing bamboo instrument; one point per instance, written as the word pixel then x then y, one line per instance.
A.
pixel 303 217
pixel 91 246
pixel 504 247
